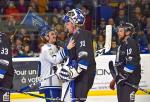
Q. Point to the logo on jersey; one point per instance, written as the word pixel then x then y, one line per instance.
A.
pixel 6 97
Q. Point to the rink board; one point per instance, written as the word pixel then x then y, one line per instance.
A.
pixel 103 77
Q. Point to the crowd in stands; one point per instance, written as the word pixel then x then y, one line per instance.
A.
pixel 98 14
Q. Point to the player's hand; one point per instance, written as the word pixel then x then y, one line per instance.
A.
pixel 121 79
pixel 71 44
pixel 112 84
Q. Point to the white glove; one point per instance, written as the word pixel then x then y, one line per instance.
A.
pixel 68 71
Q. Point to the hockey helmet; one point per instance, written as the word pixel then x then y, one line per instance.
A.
pixel 75 16
pixel 127 27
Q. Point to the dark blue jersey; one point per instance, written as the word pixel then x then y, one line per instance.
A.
pixel 5 56
pixel 128 59
pixel 83 46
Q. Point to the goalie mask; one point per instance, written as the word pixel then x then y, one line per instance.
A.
pixel 75 16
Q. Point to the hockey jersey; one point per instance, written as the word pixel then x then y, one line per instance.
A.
pixel 83 51
pixel 50 56
pixel 128 59
pixel 6 68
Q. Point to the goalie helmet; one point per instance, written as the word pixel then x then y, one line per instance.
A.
pixel 75 16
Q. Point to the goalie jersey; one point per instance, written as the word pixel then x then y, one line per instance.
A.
pixel 84 44
pixel 49 57
pixel 6 69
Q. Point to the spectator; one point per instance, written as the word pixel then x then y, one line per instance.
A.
pixel 88 18
pixel 22 8
pixel 142 40
pixel 3 5
pixel 113 48
pixel 21 33
pixel 26 51
pixel 121 18
pixel 67 8
pixel 17 47
pixel 101 26
pixel 138 19
pixel 61 39
pixel 147 30
pixel 146 8
pixel 10 24
pixel 54 21
pixel 100 42
pixel 12 11
pixel 42 6
pixel 33 6
pixel 130 10
pixel 56 12
pixel 14 51
pixel 26 39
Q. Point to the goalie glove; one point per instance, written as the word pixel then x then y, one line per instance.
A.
pixel 70 70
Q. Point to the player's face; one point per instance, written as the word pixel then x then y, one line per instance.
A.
pixel 121 33
pixel 52 37
pixel 69 27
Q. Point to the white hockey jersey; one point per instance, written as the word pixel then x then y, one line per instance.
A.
pixel 49 57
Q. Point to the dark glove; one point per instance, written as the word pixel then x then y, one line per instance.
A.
pixel 121 78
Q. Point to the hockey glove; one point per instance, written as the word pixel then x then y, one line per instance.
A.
pixel 121 78
pixel 69 70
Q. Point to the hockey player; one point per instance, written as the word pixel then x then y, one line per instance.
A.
pixel 50 56
pixel 127 64
pixel 81 66
pixel 6 68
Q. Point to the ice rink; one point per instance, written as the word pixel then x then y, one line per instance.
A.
pixel 139 98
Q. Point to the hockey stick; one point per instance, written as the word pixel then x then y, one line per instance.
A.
pixel 34 95
pixel 107 45
pixel 36 83
pixel 114 73
pixel 137 87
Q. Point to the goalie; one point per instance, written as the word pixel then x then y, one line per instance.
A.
pixel 127 65
pixel 79 70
